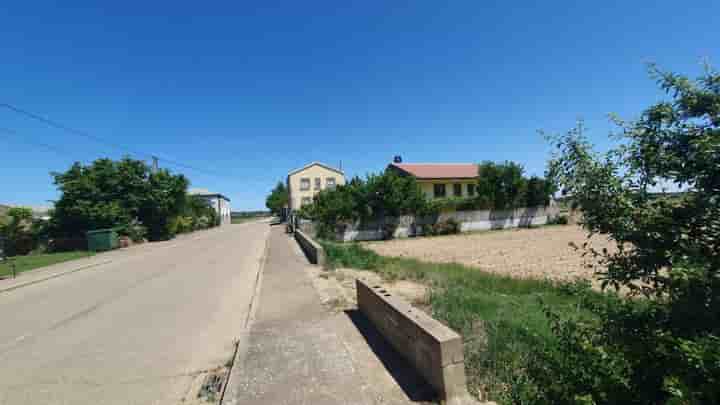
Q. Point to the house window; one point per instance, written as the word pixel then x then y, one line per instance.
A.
pixel 457 190
pixel 317 183
pixel 305 183
pixel 471 190
pixel 330 182
pixel 305 201
pixel 439 190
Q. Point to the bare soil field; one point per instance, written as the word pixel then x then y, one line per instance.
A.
pixel 539 253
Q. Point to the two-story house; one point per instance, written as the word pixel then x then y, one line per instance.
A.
pixel 305 182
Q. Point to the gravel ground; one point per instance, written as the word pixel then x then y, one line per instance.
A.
pixel 543 252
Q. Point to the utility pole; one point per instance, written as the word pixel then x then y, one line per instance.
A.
pixel 154 164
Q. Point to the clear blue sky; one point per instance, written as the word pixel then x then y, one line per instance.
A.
pixel 253 91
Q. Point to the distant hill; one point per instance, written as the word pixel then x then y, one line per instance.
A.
pixel 4 209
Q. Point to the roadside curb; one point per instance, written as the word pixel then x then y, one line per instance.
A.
pixel 230 387
pixel 51 276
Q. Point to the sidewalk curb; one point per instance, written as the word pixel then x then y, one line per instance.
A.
pixel 230 388
pixel 50 277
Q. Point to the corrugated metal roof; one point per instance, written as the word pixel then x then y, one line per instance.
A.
pixel 439 170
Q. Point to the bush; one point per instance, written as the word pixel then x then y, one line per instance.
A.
pixel 133 230
pixel 21 233
pixel 67 244
pixel 109 194
pixel 447 227
pixel 202 222
pixel 558 220
pixel 664 346
pixel 184 224
pixel 379 196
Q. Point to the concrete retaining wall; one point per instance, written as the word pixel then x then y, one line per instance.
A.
pixel 408 226
pixel 314 252
pixel 433 349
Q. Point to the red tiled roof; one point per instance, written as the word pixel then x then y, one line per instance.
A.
pixel 439 170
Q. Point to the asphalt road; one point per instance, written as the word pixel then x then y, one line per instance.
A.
pixel 145 328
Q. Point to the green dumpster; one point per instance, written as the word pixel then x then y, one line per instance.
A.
pixel 102 239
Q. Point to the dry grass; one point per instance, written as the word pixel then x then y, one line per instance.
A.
pixel 536 253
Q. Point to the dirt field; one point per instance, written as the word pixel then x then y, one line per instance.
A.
pixel 526 253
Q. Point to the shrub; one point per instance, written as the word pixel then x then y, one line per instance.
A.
pixel 21 234
pixel 133 230
pixel 109 194
pixel 664 347
pixel 379 196
pixel 65 244
pixel 446 227
pixel 558 220
pixel 202 222
pixel 184 224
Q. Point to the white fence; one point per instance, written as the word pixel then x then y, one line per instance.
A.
pixel 408 226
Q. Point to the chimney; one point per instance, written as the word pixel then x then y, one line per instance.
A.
pixel 397 159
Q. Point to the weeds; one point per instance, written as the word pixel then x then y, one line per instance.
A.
pixel 502 319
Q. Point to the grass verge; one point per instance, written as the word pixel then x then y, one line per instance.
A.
pixel 502 319
pixel 34 261
pixel 242 220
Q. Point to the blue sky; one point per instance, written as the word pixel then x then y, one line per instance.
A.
pixel 248 92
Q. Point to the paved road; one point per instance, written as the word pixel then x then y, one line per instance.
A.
pixel 142 329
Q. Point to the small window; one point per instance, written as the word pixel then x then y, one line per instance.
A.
pixel 330 182
pixel 306 201
pixel 457 190
pixel 318 183
pixel 305 183
pixel 471 190
pixel 439 190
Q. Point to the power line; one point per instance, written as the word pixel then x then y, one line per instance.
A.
pixel 34 143
pixel 60 126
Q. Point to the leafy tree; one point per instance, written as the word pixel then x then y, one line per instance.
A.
pixel 112 194
pixel 198 213
pixel 538 192
pixel 663 348
pixel 392 195
pixel 16 231
pixel 162 204
pixel 94 197
pixel 379 196
pixel 502 186
pixel 278 199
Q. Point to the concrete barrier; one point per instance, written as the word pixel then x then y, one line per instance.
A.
pixel 312 249
pixel 433 349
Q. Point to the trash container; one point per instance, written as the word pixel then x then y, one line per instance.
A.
pixel 102 239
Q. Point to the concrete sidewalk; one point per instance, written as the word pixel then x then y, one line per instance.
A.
pixel 300 353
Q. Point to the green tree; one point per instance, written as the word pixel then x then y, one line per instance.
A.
pixel 392 195
pixel 500 185
pixel 538 192
pixel 665 347
pixel 162 204
pixel 16 231
pixel 380 196
pixel 112 194
pixel 278 199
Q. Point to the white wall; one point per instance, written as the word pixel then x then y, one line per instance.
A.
pixel 469 221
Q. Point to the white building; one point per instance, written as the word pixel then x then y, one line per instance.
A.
pixel 219 202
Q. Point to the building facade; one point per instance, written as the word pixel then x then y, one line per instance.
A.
pixel 219 202
pixel 440 180
pixel 305 182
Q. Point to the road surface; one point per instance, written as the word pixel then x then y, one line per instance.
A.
pixel 145 328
